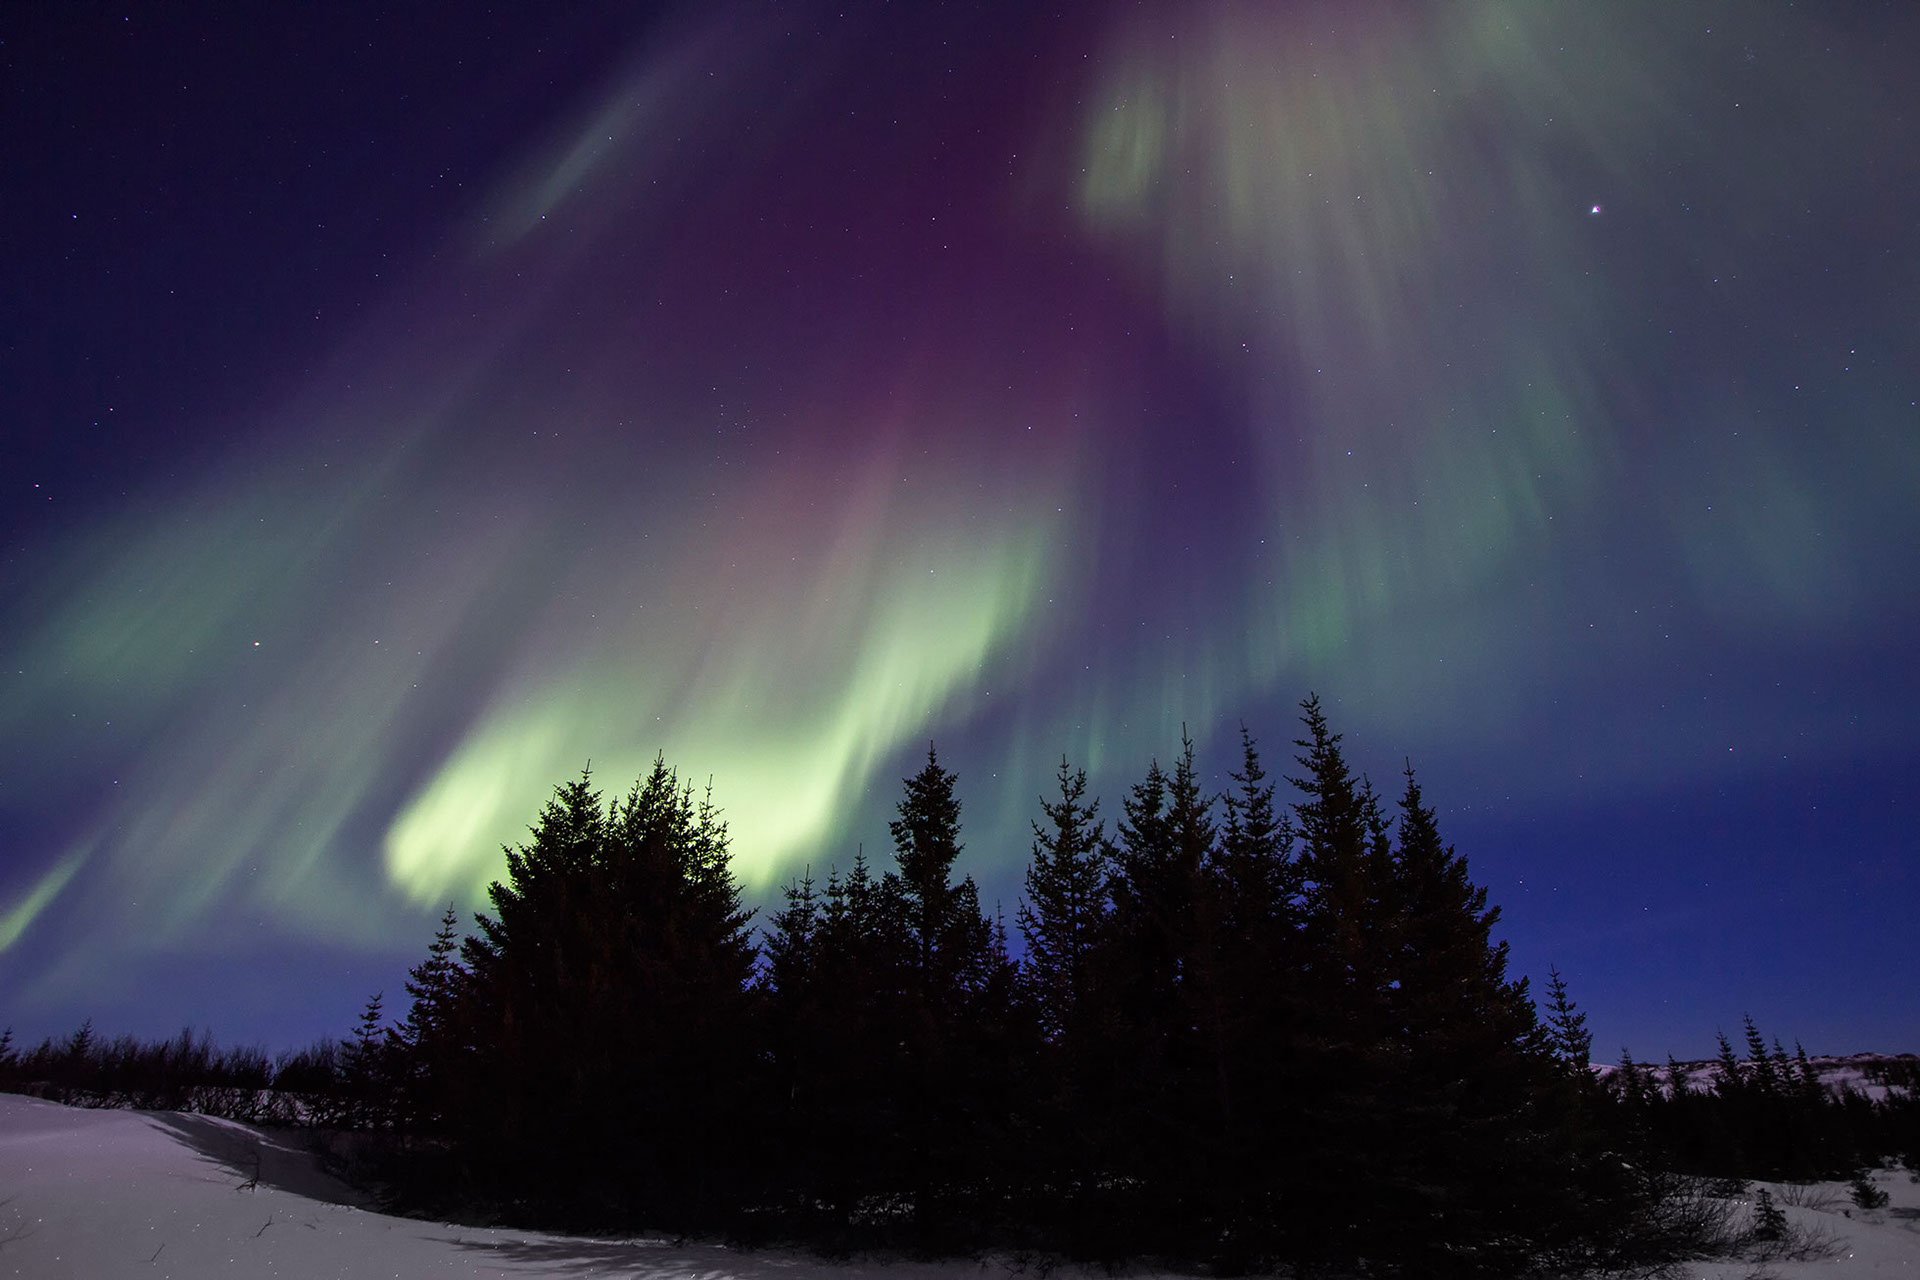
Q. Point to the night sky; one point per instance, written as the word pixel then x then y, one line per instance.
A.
pixel 399 410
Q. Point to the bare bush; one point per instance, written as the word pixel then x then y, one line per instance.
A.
pixel 1679 1220
pixel 1820 1197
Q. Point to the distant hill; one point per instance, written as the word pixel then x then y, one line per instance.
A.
pixel 1878 1076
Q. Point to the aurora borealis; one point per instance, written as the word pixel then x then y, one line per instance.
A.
pixel 400 414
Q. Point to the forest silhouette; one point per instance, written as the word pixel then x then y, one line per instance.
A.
pixel 1242 1032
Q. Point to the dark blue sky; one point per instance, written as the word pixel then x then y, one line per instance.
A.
pixel 401 409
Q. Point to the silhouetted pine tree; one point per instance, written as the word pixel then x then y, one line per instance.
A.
pixel 1732 1080
pixel 1567 1034
pixel 1066 907
pixel 1252 1018
pixel 926 842
pixel 1725 1129
pixel 792 937
pixel 997 1056
pixel 1761 1074
pixel 1257 886
pixel 1482 1161
pixel 610 995
pixel 835 978
pixel 1158 1002
pixel 81 1055
pixel 1203 1104
pixel 1260 882
pixel 956 1018
pixel 1345 1065
pixel 1064 921
pixel 522 1121
pixel 1806 1080
pixel 367 1070
pixel 1431 1102
pixel 1678 1083
pixel 789 977
pixel 428 1041
pixel 1578 1105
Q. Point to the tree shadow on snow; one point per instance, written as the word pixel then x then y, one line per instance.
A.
pixel 671 1260
pixel 257 1158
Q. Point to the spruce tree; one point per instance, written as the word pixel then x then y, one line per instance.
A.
pixel 1679 1086
pixel 792 938
pixel 427 1041
pixel 1567 1033
pixel 1345 1066
pixel 790 980
pixel 1769 1220
pixel 610 1000
pixel 1166 844
pixel 1257 886
pixel 1806 1080
pixel 525 1013
pixel 1762 1073
pixel 366 1061
pixel 833 978
pixel 81 1045
pixel 1260 881
pixel 952 1020
pixel 1343 923
pixel 1158 994
pixel 1205 1108
pixel 432 984
pixel 1430 1088
pixel 1732 1081
pixel 1064 920
pixel 1474 1067
pixel 926 842
pixel 680 960
pixel 1864 1194
pixel 1066 906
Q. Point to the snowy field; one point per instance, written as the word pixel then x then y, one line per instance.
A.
pixel 1837 1239
pixel 100 1195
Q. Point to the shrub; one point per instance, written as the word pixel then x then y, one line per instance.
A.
pixel 1769 1219
pixel 1865 1194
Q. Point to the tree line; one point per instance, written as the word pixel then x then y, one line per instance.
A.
pixel 1243 1032
pixel 1764 1114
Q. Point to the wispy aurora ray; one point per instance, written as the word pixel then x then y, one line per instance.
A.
pixel 1378 222
pixel 1402 297
pixel 369 654
pixel 830 626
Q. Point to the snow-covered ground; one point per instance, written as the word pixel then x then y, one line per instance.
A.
pixel 1832 1237
pixel 101 1195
